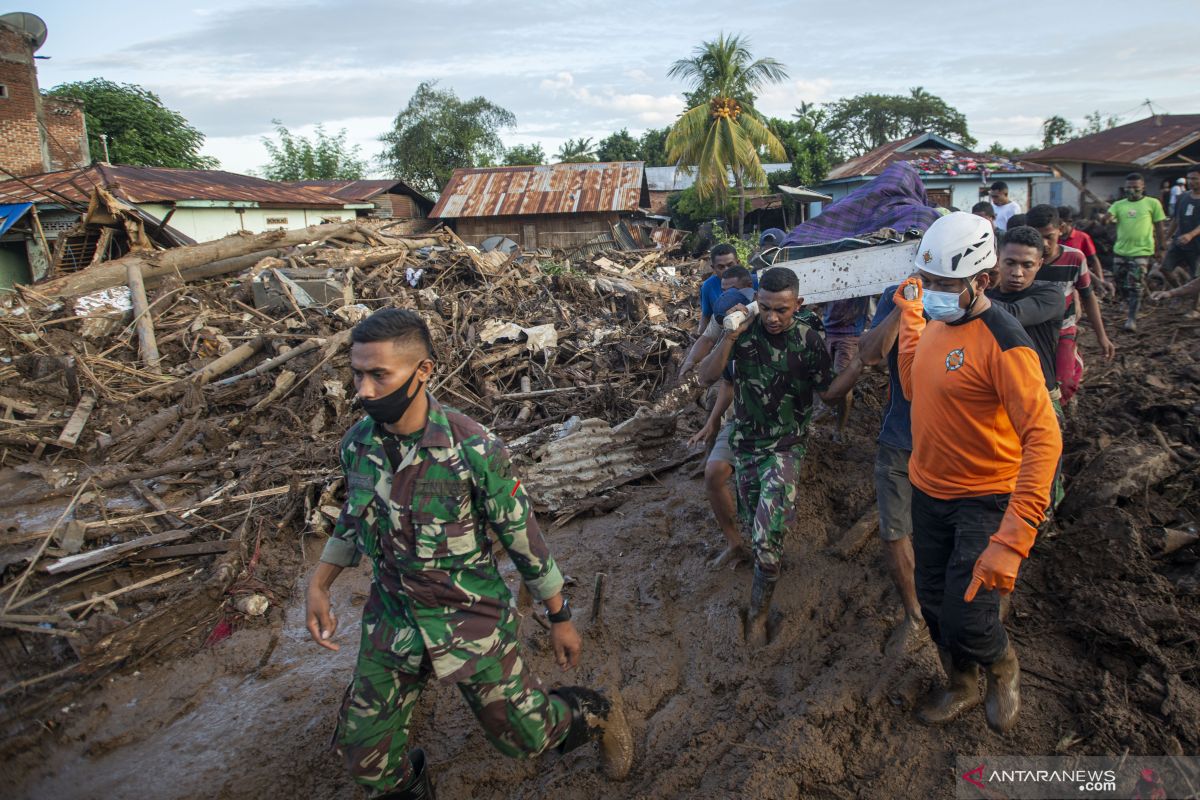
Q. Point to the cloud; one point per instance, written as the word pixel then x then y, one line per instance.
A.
pixel 646 108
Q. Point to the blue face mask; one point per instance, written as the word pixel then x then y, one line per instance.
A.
pixel 943 306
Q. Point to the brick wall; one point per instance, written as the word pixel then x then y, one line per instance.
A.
pixel 20 140
pixel 67 141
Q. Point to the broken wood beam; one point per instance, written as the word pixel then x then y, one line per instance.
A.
pixel 191 549
pixel 18 407
pixel 544 392
pixel 74 427
pixel 162 576
pixel 115 552
pixel 270 364
pixel 147 345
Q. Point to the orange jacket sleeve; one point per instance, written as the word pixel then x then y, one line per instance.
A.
pixel 1021 387
pixel 912 325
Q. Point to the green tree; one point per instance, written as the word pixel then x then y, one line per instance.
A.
pixel 576 151
pixel 1097 123
pixel 688 209
pixel 324 157
pixel 808 149
pixel 437 133
pixel 997 149
pixel 866 121
pixel 652 147
pixel 618 146
pixel 722 133
pixel 1055 130
pixel 520 155
pixel 141 131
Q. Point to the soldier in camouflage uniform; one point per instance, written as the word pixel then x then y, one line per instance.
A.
pixel 777 362
pixel 423 484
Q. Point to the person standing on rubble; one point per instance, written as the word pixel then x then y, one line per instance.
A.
pixel 776 362
pixel 1140 237
pixel 985 448
pixel 423 486
pixel 1067 269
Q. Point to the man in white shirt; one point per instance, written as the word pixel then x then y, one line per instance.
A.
pixel 1003 207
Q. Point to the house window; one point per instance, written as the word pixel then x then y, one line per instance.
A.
pixel 277 221
pixel 3 92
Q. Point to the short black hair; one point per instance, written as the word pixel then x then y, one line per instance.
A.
pixel 1066 214
pixel 1017 220
pixel 723 249
pixel 984 207
pixel 1135 176
pixel 403 326
pixel 999 186
pixel 1026 236
pixel 736 273
pixel 779 279
pixel 1042 215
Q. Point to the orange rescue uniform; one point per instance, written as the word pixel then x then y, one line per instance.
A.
pixel 982 421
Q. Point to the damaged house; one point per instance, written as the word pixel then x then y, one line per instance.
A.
pixel 389 198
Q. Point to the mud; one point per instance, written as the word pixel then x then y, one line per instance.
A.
pixel 1105 627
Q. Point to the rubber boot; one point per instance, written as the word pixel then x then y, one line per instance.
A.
pixel 961 693
pixel 760 608
pixel 1003 702
pixel 419 786
pixel 594 716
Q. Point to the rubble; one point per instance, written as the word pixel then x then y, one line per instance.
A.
pixel 176 406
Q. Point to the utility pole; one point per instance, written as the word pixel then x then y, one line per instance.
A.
pixel 104 144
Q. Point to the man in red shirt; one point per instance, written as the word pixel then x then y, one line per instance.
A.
pixel 1082 241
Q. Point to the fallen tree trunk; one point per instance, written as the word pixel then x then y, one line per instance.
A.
pixel 181 259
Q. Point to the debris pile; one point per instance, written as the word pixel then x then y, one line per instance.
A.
pixel 166 414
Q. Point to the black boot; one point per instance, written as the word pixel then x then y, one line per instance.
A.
pixel 419 787
pixel 760 607
pixel 960 694
pixel 594 716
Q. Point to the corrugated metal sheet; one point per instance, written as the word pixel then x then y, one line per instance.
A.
pixel 876 161
pixel 161 185
pixel 1142 143
pixel 363 191
pixel 555 189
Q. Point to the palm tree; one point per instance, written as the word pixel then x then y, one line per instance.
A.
pixel 722 133
pixel 574 151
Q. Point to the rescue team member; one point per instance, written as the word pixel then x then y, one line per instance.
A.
pixel 422 482
pixel 735 277
pixel 1139 222
pixel 776 362
pixel 1067 269
pixel 985 446
pixel 718 466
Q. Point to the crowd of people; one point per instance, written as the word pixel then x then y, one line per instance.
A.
pixel 980 347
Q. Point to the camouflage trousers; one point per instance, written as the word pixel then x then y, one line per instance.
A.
pixel 519 717
pixel 766 499
pixel 1128 274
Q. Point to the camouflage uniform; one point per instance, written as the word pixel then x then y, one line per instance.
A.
pixel 773 382
pixel 438 605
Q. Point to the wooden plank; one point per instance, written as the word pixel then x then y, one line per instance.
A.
pixel 191 549
pixel 113 552
pixel 18 407
pixel 116 593
pixel 75 425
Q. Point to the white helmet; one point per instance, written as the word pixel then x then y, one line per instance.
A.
pixel 958 245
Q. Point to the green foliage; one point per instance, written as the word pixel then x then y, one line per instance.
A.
pixel 618 146
pixel 520 155
pixel 866 121
pixel 652 147
pixel 438 133
pixel 576 151
pixel 808 149
pixel 721 133
pixel 1097 123
pixel 1055 130
pixel 324 157
pixel 997 149
pixel 744 248
pixel 688 209
pixel 141 131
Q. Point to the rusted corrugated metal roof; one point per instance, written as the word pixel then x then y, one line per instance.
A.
pixel 362 191
pixel 162 185
pixel 554 189
pixel 1141 144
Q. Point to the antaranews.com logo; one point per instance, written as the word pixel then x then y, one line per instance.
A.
pixel 1083 777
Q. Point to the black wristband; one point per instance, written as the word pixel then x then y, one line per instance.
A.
pixel 562 615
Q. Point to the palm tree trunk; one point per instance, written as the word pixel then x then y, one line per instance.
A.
pixel 737 182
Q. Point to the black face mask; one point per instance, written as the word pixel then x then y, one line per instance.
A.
pixel 388 410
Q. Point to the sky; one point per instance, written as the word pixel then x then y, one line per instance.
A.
pixel 567 69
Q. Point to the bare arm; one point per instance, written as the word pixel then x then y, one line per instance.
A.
pixel 876 343
pixel 701 348
pixel 714 363
pixel 1091 306
pixel 703 323
pixel 321 622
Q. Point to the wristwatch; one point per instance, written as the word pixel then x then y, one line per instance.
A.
pixel 562 615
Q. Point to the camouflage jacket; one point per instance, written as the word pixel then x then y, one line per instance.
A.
pixel 424 529
pixel 774 378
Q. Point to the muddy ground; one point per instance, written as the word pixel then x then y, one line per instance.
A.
pixel 1105 626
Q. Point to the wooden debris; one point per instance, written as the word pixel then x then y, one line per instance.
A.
pixel 141 317
pixel 74 427
pixel 113 552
